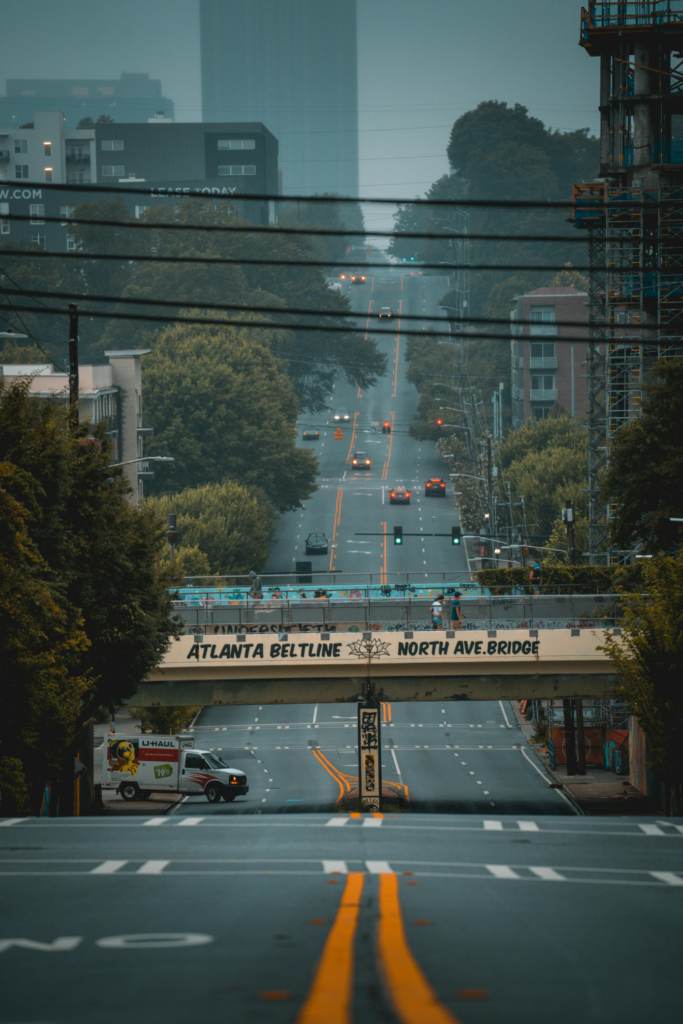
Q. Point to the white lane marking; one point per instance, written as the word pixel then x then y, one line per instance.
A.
pixel 336 822
pixel 379 867
pixel 667 876
pixel 9 821
pixel 152 867
pixel 501 871
pixel 545 777
pixel 155 821
pixel 651 830
pixel 190 821
pixel 398 770
pixel 527 826
pixel 335 867
pixel 679 828
pixel 493 826
pixel 548 874
pixel 507 722
pixel 372 822
pixel 108 867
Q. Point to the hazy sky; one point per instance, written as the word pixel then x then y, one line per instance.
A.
pixel 422 63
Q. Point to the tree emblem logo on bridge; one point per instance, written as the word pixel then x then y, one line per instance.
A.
pixel 369 648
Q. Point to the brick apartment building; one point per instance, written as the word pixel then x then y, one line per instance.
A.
pixel 544 369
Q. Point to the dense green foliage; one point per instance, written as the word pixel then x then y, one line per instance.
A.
pixel 580 579
pixel 222 406
pixel 227 524
pixel 169 721
pixel 645 478
pixel 79 575
pixel 649 657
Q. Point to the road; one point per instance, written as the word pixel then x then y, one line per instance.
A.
pixel 333 920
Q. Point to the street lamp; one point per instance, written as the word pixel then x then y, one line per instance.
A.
pixel 12 334
pixel 144 458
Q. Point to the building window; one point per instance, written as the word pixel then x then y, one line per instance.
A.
pixel 236 171
pixel 112 145
pixel 622 316
pixel 542 317
pixel 38 239
pixel 70 243
pixel 79 90
pixel 21 145
pixel 37 212
pixel 113 171
pixel 105 90
pixel 237 143
pixel 21 170
pixel 4 225
pixel 543 383
pixel 48 174
pixel 47 149
pixel 539 349
pixel 139 210
pixel 76 178
pixel 540 412
pixel 66 213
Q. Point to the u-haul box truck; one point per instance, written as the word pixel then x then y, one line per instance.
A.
pixel 138 766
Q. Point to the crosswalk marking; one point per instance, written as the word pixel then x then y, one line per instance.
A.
pixel 190 821
pixel 336 822
pixel 548 874
pixel 527 826
pixel 667 876
pixel 493 826
pixel 9 821
pixel 335 867
pixel 501 871
pixel 679 828
pixel 108 867
pixel 155 821
pixel 152 867
pixel 372 822
pixel 652 830
pixel 379 867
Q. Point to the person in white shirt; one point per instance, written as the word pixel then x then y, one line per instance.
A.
pixel 437 612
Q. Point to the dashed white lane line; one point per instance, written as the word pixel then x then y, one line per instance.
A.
pixel 502 708
pixel 155 821
pixel 379 867
pixel 9 821
pixel 527 826
pixel 152 867
pixel 501 871
pixel 548 874
pixel 652 830
pixel 372 822
pixel 190 821
pixel 335 867
pixel 336 822
pixel 667 876
pixel 398 770
pixel 493 826
pixel 108 867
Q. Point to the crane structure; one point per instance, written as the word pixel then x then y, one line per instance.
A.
pixel 633 212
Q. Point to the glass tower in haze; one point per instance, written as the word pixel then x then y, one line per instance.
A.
pixel 292 65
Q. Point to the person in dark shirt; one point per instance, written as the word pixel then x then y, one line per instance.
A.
pixel 536 578
pixel 456 615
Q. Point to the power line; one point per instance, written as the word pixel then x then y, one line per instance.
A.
pixel 296 311
pixel 332 232
pixel 267 325
pixel 445 268
pixel 512 204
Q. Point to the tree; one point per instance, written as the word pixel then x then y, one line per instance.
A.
pixel 649 658
pixel 333 216
pixel 223 522
pixel 645 477
pixel 99 553
pixel 166 720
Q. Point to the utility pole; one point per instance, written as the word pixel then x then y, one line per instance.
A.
pixel 568 516
pixel 580 739
pixel 172 535
pixel 73 358
pixel 569 736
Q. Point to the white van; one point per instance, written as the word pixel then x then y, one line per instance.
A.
pixel 138 766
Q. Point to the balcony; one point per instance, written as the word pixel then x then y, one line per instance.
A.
pixel 543 395
pixel 4 156
pixel 78 159
pixel 542 362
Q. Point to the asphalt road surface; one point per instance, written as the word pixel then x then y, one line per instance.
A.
pixel 336 919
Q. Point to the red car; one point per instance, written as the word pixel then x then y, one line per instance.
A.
pixel 399 496
pixel 435 487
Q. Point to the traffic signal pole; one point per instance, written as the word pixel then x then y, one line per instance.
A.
pixel 73 358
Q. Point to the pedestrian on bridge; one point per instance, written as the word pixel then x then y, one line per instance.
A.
pixel 536 577
pixel 256 590
pixel 438 621
pixel 456 615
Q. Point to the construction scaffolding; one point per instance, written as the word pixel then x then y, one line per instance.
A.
pixel 633 214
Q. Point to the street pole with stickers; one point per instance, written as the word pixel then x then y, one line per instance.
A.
pixel 369 756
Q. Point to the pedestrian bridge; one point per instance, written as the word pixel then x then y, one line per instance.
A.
pixel 327 668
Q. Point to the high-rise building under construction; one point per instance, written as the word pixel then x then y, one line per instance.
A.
pixel 291 64
pixel 634 215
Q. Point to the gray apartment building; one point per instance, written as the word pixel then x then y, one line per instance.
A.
pixel 293 66
pixel 545 370
pixel 167 160
pixel 132 97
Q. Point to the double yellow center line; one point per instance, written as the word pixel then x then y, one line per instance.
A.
pixel 330 998
pixel 337 517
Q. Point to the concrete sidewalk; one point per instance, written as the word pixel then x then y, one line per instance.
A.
pixel 598 792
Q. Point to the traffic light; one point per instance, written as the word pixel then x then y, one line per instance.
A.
pixel 439 422
pixel 456 534
pixel 398 535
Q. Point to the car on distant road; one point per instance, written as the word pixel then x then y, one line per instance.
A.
pixel 435 487
pixel 361 460
pixel 385 311
pixel 316 544
pixel 357 278
pixel 399 496
pixel 341 415
pixel 311 435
